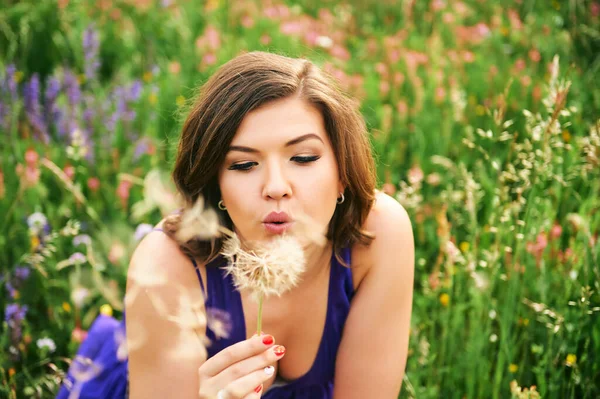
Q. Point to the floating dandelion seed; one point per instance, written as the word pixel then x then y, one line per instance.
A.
pixel 219 322
pixel 198 222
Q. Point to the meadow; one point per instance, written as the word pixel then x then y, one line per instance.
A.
pixel 484 116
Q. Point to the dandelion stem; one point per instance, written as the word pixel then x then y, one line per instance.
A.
pixel 259 321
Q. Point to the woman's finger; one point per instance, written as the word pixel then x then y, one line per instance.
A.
pixel 249 384
pixel 249 365
pixel 236 353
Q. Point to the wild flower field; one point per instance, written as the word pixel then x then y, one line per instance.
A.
pixel 484 116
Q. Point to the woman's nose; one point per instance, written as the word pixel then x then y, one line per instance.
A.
pixel 276 184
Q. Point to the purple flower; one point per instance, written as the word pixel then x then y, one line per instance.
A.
pixel 78 257
pixel 33 109
pixel 15 313
pixel 72 89
pixel 53 113
pixel 11 82
pixel 141 148
pixel 82 239
pixel 91 46
pixel 22 272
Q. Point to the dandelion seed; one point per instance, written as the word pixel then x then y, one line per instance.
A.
pixel 198 222
pixel 219 322
pixel 272 268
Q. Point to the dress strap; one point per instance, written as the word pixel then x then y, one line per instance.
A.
pixel 195 267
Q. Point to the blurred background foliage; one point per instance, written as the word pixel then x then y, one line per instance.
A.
pixel 483 115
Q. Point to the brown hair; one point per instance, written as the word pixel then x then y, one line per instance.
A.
pixel 244 84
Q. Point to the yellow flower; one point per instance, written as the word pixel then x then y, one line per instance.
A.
pixel 571 360
pixel 566 136
pixel 16 294
pixel 525 322
pixel 513 368
pixel 81 78
pixel 152 98
pixel 180 100
pixel 444 299
pixel 480 110
pixel 464 246
pixel 106 310
pixel 147 76
pixel 18 76
pixel 66 307
pixel 504 31
pixel 35 242
pixel 11 372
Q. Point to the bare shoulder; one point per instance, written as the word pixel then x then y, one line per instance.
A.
pixel 392 228
pixel 165 318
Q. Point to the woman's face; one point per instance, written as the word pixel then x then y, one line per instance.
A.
pixel 280 161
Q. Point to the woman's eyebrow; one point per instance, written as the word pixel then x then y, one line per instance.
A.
pixel 297 140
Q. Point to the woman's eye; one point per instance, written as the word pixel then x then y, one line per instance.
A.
pixel 242 166
pixel 305 159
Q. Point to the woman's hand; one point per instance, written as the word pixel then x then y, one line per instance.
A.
pixel 239 371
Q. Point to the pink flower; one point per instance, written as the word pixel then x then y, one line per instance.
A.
pixel 69 171
pixel 384 88
pixel 537 248
pixel 526 80
pixel 31 157
pixel 394 56
pixel 468 56
pixel 381 68
pixel 174 67
pixel 595 9
pixel 209 59
pixel 389 189
pixel 415 175
pixel 448 18
pixel 440 94
pixel 78 335
pixel 123 192
pixel 212 37
pixel 247 21
pixel 340 52
pixel 520 65
pixel 398 78
pixel 515 20
pixel 116 253
pixel 30 176
pixel 93 183
pixel 534 55
pixel 556 231
pixel 2 187
pixel 291 28
pixel 437 5
pixel 265 40
pixel 402 107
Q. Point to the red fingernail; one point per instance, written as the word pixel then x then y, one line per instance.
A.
pixel 258 388
pixel 268 340
pixel 279 350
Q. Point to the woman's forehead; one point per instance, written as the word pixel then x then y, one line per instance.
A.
pixel 281 120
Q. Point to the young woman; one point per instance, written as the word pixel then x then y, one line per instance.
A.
pixel 268 138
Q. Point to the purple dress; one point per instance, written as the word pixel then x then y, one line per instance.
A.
pixel 223 298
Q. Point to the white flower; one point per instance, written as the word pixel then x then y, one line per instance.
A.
pixel 270 268
pixel 79 295
pixel 46 343
pixel 493 338
pixel 324 41
pixel 492 314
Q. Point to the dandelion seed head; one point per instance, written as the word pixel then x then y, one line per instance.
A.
pixel 270 268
